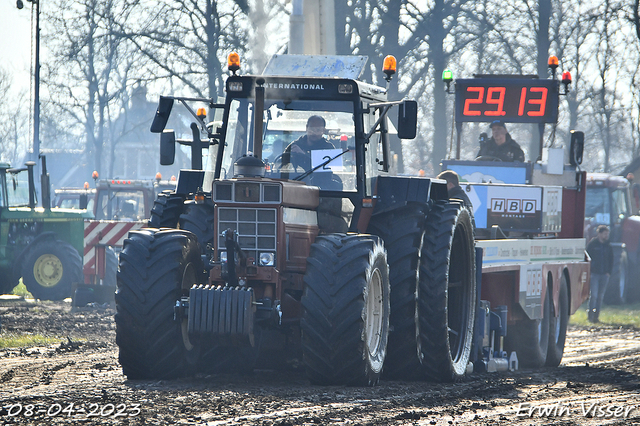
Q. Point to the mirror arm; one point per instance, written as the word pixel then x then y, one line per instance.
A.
pixel 383 115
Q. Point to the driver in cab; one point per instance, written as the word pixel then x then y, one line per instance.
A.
pixel 313 140
pixel 500 145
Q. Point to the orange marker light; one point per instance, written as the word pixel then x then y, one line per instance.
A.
pixel 86 185
pixel 233 62
pixel 202 113
pixel 389 66
pixel 553 61
pixel 158 176
pixel 94 175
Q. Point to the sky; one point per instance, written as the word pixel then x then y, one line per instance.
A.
pixel 15 42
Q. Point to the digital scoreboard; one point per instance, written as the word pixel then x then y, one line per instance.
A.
pixel 513 100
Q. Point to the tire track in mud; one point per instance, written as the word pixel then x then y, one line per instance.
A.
pixel 601 365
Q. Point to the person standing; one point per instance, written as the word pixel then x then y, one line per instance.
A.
pixel 601 255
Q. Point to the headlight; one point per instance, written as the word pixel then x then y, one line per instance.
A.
pixel 223 256
pixel 235 86
pixel 266 259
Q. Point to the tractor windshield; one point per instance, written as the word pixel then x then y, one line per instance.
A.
pixel 120 205
pixel 285 123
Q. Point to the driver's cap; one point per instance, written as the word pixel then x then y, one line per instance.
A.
pixel 497 123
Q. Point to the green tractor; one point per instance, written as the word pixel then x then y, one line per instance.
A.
pixel 39 244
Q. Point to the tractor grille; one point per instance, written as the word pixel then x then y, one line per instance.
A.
pixel 256 229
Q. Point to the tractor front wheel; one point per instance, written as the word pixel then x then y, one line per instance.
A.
pixel 51 268
pixel 345 319
pixel 157 268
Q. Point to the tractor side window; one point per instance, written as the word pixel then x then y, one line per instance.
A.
pixel 237 136
pixel 371 148
pixel 18 189
pixel 3 186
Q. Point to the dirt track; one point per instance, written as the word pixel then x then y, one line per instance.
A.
pixel 598 383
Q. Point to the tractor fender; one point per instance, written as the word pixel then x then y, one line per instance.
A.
pixel 393 192
pixel 17 264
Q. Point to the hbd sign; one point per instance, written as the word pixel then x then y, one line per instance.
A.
pixel 513 206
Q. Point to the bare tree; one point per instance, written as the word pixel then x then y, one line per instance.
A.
pixel 14 131
pixel 185 41
pixel 85 78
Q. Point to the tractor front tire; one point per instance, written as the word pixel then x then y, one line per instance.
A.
pixel 402 231
pixel 166 210
pixel 51 268
pixel 447 292
pixel 157 268
pixel 345 319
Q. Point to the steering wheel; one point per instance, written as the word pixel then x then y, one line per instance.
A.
pixel 487 158
pixel 296 159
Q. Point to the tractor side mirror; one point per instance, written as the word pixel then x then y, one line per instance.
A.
pixel 162 115
pixel 84 201
pixel 167 147
pixel 407 119
pixel 576 148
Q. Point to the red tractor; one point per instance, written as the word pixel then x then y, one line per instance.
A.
pixel 609 202
pixel 322 257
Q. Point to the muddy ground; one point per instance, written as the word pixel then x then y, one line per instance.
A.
pixel 80 381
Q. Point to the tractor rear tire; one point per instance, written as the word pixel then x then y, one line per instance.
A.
pixel 402 231
pixel 345 318
pixel 199 219
pixel 51 268
pixel 157 268
pixel 447 292
pixel 530 338
pixel 558 327
pixel 166 210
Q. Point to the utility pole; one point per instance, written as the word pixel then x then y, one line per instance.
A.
pixel 312 28
pixel 35 155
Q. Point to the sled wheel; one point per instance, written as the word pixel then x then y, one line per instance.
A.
pixel 530 337
pixel 558 327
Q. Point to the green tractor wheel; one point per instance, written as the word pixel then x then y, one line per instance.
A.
pixel 50 270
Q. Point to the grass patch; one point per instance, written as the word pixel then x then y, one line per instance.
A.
pixel 617 316
pixel 25 340
pixel 21 290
